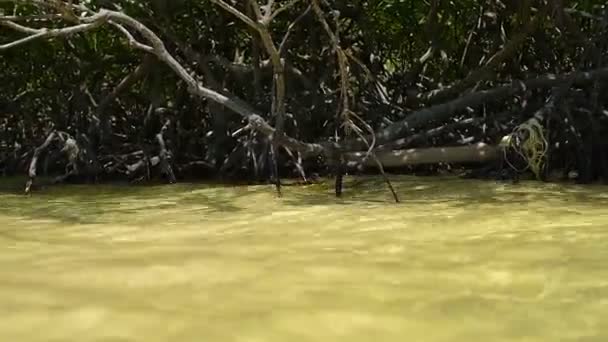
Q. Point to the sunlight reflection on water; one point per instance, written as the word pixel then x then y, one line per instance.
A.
pixel 457 260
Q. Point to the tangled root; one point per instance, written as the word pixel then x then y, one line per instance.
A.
pixel 528 140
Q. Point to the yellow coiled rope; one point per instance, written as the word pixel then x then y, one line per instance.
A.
pixel 532 149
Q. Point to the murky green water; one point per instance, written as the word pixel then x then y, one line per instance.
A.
pixel 457 261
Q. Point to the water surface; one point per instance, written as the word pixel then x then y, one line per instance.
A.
pixel 458 260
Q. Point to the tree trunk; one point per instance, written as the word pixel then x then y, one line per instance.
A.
pixel 477 153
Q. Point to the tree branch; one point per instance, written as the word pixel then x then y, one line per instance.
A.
pixel 244 18
pixel 487 70
pixel 442 112
pixel 33 34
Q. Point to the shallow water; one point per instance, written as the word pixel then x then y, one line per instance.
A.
pixel 458 260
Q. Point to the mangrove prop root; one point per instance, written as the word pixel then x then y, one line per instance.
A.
pixel 275 167
pixel 164 153
pixel 34 161
pixel 339 171
pixel 385 177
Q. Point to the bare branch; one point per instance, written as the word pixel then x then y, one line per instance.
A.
pixel 290 29
pixel 20 28
pixel 282 9
pixel 344 111
pixel 253 4
pixel 236 13
pixel 132 41
pixel 278 106
pixel 483 73
pixel 34 34
pixel 159 50
pixel 41 17
pixel 442 112
pixel 34 161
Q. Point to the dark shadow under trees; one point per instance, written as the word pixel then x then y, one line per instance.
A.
pixel 172 90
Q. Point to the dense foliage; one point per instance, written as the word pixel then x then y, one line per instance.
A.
pixel 112 101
